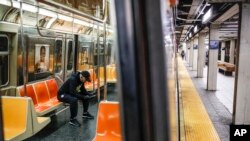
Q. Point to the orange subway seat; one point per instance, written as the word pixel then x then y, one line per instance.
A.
pixel 92 75
pixel 43 95
pixel 31 93
pixel 108 114
pixel 89 85
pixel 53 89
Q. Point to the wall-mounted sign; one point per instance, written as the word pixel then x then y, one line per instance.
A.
pixel 214 44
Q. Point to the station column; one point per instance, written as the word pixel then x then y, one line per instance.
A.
pixel 201 54
pixel 191 52
pixel 213 56
pixel 241 110
pixel 195 53
pixel 222 53
pixel 232 48
pixel 187 53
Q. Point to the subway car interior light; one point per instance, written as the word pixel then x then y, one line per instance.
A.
pixel 124 70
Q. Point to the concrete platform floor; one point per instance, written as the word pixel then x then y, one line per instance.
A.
pixel 218 103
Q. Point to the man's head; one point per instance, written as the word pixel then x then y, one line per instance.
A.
pixel 84 76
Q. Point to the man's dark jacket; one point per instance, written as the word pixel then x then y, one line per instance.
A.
pixel 70 86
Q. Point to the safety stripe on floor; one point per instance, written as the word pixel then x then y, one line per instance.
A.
pixel 197 124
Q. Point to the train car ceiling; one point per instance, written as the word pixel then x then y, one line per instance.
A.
pixel 48 17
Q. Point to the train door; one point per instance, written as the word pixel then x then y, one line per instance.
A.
pixel 59 61
pixel 69 58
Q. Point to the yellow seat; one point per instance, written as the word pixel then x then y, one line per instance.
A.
pixel 19 118
pixel 113 74
pixel 108 114
pixel 110 74
pixel 16 118
pixel 38 123
pixel 101 73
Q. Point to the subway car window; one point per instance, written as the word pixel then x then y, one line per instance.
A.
pixel 3 43
pixel 4 60
pixel 58 56
pixel 4 68
pixel 70 56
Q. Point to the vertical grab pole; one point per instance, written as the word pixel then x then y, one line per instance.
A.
pixel 98 56
pixel 104 48
pixel 24 50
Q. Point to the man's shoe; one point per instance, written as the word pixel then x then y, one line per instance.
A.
pixel 74 122
pixel 87 115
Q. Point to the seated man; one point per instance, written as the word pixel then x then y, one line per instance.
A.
pixel 72 90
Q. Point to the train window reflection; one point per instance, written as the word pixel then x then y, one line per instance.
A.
pixel 70 56
pixel 58 56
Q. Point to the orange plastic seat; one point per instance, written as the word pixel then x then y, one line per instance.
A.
pixel 42 93
pixel 108 122
pixel 94 82
pixel 45 103
pixel 30 93
pixel 53 89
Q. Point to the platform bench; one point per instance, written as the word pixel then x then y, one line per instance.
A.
pixel 226 68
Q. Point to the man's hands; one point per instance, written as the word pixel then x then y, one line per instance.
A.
pixel 90 96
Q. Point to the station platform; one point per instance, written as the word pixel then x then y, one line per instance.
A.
pixel 218 104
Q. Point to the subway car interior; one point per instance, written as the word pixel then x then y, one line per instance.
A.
pixel 159 70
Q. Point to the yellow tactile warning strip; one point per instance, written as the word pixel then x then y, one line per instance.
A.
pixel 197 124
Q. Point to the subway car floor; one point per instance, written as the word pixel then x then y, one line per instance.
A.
pixel 217 109
pixel 60 130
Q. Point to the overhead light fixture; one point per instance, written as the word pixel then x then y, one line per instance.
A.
pixel 16 4
pixel 81 22
pixel 207 15
pixel 195 29
pixel 5 2
pixel 47 13
pixel 51 21
pixel 66 18
pixel 30 8
pixel 25 6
